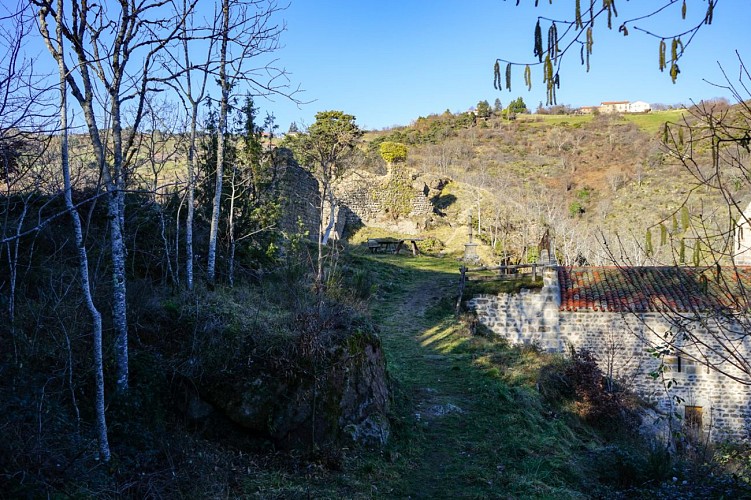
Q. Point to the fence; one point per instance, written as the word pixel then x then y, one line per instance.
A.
pixel 504 273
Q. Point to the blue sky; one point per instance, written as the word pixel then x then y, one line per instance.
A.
pixel 389 62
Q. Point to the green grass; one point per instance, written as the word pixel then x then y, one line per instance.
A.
pixel 461 429
pixel 653 122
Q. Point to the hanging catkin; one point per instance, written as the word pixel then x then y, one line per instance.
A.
pixel 528 77
pixel 497 76
pixel 538 41
pixel 578 15
pixel 662 54
pixel 553 41
pixel 607 4
pixel 508 77
pixel 548 80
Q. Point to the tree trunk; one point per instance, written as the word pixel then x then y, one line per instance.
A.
pixel 211 267
pixel 83 266
pixel 191 195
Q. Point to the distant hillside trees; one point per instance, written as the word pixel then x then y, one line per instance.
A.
pixel 497 106
pixel 483 110
pixel 517 106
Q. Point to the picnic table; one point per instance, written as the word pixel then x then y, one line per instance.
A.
pixel 392 245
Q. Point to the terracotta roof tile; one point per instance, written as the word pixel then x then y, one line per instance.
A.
pixel 652 289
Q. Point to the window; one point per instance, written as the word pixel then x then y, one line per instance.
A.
pixel 682 364
pixel 693 416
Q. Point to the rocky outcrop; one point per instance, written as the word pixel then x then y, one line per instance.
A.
pixel 329 395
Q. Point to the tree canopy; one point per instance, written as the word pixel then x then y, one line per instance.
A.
pixel 393 152
pixel 327 142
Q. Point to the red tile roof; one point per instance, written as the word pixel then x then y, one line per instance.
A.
pixel 651 289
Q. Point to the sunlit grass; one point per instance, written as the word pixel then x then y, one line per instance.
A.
pixel 654 121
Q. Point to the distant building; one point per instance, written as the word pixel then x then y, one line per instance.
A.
pixel 639 107
pixel 588 110
pixel 614 107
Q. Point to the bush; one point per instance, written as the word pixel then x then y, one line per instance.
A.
pixel 393 152
pixel 593 402
pixel 626 466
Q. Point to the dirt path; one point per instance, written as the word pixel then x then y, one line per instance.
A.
pixel 444 415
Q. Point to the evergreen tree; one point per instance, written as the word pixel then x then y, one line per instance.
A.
pixel 517 106
pixel 483 109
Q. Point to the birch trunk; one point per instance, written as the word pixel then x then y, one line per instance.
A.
pixel 83 262
pixel 223 85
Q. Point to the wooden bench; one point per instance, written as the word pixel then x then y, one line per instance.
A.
pixel 392 245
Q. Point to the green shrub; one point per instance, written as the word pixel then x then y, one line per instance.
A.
pixel 393 152
pixel 575 209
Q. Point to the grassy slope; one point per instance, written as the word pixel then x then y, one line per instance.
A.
pixel 468 417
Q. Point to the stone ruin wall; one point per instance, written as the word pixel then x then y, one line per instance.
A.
pixel 299 190
pixel 364 201
pixel 361 197
pixel 620 342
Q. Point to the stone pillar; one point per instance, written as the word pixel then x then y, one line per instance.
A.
pixel 550 296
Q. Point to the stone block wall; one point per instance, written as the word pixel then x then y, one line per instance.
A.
pixel 621 343
pixel 299 191
pixel 364 196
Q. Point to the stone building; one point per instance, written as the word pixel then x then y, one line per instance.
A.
pixel 624 316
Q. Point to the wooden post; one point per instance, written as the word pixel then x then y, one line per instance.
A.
pixel 462 279
pixel 534 273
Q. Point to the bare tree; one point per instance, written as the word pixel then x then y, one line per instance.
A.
pixel 114 50
pixel 191 84
pixel 247 31
pixel 712 142
pixel 57 49
pixel 25 120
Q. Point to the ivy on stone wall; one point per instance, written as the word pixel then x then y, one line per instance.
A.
pixel 398 195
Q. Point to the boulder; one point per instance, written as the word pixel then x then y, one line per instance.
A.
pixel 340 396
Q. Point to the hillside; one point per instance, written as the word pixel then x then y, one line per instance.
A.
pixel 588 177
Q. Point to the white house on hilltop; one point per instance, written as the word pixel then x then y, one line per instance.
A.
pixel 607 107
pixel 639 107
